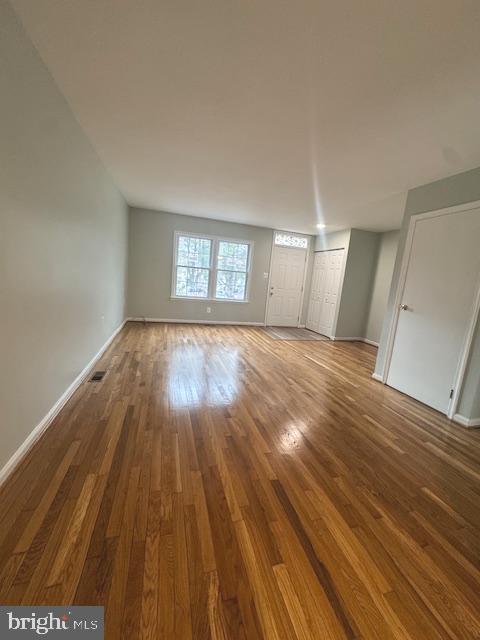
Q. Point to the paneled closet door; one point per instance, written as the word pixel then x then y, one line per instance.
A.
pixel 325 290
pixel 317 290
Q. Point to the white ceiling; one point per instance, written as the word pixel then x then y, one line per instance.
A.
pixel 271 112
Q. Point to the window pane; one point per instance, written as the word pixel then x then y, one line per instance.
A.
pixel 193 252
pixel 231 285
pixel 287 240
pixel 232 256
pixel 192 282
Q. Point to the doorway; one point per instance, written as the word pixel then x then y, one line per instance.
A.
pixel 285 295
pixel 436 308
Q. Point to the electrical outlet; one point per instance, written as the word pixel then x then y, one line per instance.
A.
pixel 209 309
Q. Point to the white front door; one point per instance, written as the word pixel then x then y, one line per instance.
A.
pixel 325 289
pixel 442 278
pixel 286 286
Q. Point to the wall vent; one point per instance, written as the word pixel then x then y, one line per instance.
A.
pixel 98 375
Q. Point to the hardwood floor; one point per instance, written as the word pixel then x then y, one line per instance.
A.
pixel 219 484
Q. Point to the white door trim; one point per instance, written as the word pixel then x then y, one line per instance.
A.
pixel 305 269
pixel 463 359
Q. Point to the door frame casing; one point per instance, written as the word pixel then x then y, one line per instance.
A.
pixel 305 271
pixel 474 314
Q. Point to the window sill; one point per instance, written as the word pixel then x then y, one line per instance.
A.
pixel 208 300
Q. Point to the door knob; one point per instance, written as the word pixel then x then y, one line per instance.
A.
pixel 404 307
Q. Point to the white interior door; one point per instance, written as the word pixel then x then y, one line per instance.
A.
pixel 286 286
pixel 441 282
pixel 325 290
pixel 317 290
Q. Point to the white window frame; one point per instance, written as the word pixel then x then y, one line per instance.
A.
pixel 212 277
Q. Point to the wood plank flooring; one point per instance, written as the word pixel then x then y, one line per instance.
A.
pixel 293 333
pixel 218 484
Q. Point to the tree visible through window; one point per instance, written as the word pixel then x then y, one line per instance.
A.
pixel 193 266
pixel 232 267
pixel 210 268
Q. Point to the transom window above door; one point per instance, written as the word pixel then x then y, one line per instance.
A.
pixel 283 239
pixel 211 268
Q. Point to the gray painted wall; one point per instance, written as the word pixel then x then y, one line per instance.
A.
pixel 151 246
pixel 63 229
pixel 455 190
pixel 470 401
pixel 357 284
pixel 151 235
pixel 331 241
pixel 368 272
pixel 387 251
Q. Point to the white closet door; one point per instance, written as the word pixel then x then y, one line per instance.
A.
pixel 317 290
pixel 442 278
pixel 325 290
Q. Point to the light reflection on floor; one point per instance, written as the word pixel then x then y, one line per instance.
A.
pixel 291 435
pixel 195 379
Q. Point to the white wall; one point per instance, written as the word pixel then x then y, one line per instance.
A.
pixel 382 280
pixel 63 233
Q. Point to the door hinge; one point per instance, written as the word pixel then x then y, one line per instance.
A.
pixel 451 394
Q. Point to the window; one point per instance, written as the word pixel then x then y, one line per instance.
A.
pixel 211 268
pixel 289 240
pixel 232 268
pixel 193 266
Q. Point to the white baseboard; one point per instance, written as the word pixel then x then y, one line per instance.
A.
pixel 47 420
pixel 348 339
pixel 470 423
pixel 301 326
pixel 180 321
pixel 377 377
